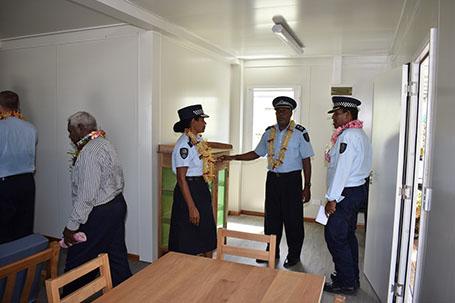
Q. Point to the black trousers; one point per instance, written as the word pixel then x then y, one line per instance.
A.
pixel 105 231
pixel 340 235
pixel 17 206
pixel 283 205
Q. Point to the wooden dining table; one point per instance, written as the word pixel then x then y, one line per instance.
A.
pixel 177 277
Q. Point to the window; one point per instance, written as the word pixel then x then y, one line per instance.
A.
pixel 263 112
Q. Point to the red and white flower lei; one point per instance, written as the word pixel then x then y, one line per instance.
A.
pixel 337 132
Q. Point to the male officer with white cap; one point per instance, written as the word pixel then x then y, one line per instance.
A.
pixel 288 149
pixel 350 160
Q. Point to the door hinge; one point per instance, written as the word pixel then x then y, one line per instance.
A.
pixel 412 88
pixel 405 192
pixel 397 290
pixel 427 199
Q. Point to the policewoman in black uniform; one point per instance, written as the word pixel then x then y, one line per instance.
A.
pixel 193 229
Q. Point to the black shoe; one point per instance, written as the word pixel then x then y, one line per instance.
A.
pixel 260 261
pixel 289 262
pixel 334 278
pixel 336 288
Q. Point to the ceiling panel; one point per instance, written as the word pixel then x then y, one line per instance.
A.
pixel 239 27
pixel 326 27
pixel 30 17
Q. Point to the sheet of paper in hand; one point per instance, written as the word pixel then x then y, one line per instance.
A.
pixel 321 217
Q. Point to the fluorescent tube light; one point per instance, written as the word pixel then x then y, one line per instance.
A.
pixel 285 33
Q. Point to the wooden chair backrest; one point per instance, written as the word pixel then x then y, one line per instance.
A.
pixel 30 264
pixel 103 282
pixel 223 248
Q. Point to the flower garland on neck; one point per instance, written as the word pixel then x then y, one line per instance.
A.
pixel 337 132
pixel 208 161
pixel 14 113
pixel 274 163
pixel 82 142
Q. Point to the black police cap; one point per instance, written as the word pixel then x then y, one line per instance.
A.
pixel 187 113
pixel 283 101
pixel 344 102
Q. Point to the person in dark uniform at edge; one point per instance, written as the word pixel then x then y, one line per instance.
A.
pixel 193 229
pixel 18 140
pixel 350 160
pixel 99 208
pixel 288 149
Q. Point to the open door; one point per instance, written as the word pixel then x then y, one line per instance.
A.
pixel 389 133
pixel 410 268
pixel 398 207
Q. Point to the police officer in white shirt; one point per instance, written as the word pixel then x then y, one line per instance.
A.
pixel 288 148
pixel 350 160
pixel 193 228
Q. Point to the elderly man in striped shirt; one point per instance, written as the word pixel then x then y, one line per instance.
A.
pixel 99 208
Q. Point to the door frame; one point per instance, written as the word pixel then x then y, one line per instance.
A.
pixel 427 167
pixel 399 290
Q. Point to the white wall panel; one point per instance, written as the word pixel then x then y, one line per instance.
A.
pixel 100 77
pixel 97 71
pixel 191 77
pixel 31 72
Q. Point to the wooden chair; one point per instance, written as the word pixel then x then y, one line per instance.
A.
pixel 30 264
pixel 103 282
pixel 223 248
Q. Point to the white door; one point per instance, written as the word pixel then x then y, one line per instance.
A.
pixel 410 268
pixel 390 110
pixel 398 211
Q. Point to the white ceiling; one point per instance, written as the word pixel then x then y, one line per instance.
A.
pixel 31 17
pixel 239 27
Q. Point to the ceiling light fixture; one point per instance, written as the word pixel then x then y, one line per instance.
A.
pixel 285 33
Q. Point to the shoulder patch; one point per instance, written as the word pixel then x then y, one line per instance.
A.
pixel 184 152
pixel 300 127
pixel 269 127
pixel 306 137
pixel 343 147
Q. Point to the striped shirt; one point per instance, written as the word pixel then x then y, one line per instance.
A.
pixel 96 178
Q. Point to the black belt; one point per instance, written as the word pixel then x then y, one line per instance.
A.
pixel 291 173
pixel 194 178
pixel 7 178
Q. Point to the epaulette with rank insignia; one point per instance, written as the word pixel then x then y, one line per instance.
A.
pixel 303 130
pixel 189 143
pixel 269 127
pixel 300 127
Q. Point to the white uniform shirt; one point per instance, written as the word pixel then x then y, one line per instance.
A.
pixel 185 154
pixel 350 162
